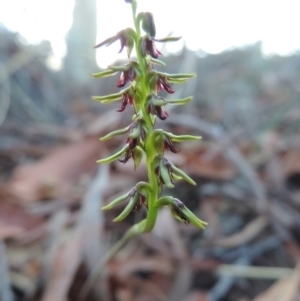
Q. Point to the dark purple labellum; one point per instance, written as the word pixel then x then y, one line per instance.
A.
pixel 169 145
pixel 126 99
pixel 162 84
pixel 178 206
pixel 126 76
pixel 148 47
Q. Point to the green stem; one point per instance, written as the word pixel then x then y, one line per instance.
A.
pixel 149 146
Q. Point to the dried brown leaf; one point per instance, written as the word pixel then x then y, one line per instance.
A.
pixel 57 173
pixel 216 168
pixel 198 296
pixel 158 264
pixel 63 268
pixel 14 220
pixel 282 290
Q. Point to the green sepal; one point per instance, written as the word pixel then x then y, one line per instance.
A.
pixel 181 101
pixel 183 214
pixel 176 177
pixel 155 162
pixel 137 154
pixel 178 75
pixel 135 117
pixel 120 68
pixel 176 78
pixel 114 133
pixel 143 187
pixel 104 73
pixel 115 202
pixel 158 101
pixel 182 174
pixel 130 45
pixel 127 33
pixel 107 42
pixel 157 62
pixel 136 132
pixel 158 141
pixel 128 209
pixel 151 79
pixel 193 219
pixel 153 119
pixel 111 97
pixel 181 138
pixel 167 39
pixel 114 156
pixel 165 175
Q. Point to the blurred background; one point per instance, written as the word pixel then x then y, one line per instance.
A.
pixel 246 107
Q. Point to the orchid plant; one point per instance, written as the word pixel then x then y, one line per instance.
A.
pixel 140 85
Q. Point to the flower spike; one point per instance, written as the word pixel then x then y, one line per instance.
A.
pixel 140 87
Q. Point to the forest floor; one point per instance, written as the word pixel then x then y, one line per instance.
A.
pixel 247 168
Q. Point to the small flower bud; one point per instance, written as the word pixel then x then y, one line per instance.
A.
pixel 165 175
pixel 137 200
pixel 148 24
pixel 181 212
pixel 129 208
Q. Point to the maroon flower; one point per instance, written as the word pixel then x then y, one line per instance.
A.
pixel 161 179
pixel 127 98
pixel 168 145
pixel 162 84
pixel 156 107
pixel 163 142
pixel 136 133
pixel 126 76
pixel 159 111
pixel 130 153
pixel 141 200
pixel 124 36
pixel 127 156
pixel 178 208
pixel 148 47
